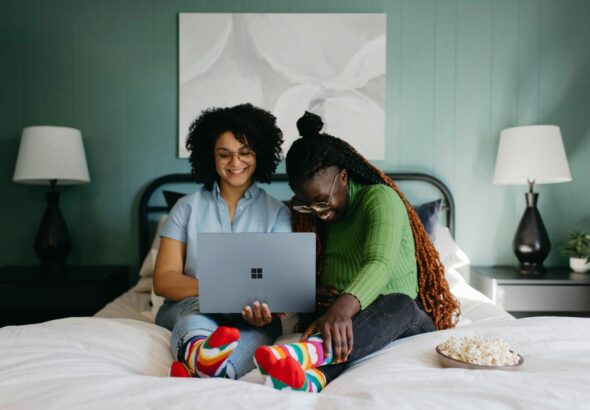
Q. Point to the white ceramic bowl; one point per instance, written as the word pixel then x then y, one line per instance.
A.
pixel 447 361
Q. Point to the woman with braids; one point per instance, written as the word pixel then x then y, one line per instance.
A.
pixel 230 149
pixel 379 274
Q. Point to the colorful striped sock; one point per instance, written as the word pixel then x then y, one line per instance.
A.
pixel 179 369
pixel 206 356
pixel 316 380
pixel 308 354
pixel 287 374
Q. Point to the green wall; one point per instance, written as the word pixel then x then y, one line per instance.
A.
pixel 459 71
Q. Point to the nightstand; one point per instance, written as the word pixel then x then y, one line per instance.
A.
pixel 27 297
pixel 557 292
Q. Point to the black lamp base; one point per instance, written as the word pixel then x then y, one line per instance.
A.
pixel 531 269
pixel 53 243
pixel 531 242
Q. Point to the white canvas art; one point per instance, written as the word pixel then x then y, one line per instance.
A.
pixel 329 64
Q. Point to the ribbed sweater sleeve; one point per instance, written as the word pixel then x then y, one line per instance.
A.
pixel 384 219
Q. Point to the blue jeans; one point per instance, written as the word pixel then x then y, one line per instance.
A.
pixel 388 318
pixel 185 321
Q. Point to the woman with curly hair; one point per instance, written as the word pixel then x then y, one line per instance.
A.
pixel 380 277
pixel 230 149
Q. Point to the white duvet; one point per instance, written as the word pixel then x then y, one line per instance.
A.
pixel 121 363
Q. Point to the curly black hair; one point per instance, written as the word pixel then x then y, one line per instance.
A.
pixel 250 125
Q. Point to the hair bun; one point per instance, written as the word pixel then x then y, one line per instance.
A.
pixel 309 125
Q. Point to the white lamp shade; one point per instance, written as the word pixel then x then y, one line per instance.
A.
pixel 48 152
pixel 533 153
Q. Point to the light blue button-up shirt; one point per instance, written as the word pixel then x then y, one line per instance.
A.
pixel 207 212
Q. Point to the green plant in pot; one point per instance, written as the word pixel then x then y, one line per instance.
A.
pixel 577 247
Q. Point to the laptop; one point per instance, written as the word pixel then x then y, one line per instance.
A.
pixel 236 269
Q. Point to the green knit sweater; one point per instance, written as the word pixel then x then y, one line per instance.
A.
pixel 370 252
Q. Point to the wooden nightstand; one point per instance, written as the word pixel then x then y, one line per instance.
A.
pixel 557 292
pixel 27 297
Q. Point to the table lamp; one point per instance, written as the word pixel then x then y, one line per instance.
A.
pixel 51 155
pixel 531 155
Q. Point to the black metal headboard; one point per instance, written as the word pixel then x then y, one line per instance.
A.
pixel 145 210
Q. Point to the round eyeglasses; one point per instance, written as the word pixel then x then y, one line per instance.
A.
pixel 318 207
pixel 228 156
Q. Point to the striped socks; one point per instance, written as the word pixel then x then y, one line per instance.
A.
pixel 287 374
pixel 206 356
pixel 309 353
pixel 294 365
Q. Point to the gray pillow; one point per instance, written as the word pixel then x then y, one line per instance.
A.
pixel 171 197
pixel 428 213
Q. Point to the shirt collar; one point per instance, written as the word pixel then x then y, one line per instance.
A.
pixel 250 193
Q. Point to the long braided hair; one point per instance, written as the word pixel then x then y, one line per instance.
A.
pixel 317 151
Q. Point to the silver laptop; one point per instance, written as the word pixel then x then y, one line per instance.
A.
pixel 236 269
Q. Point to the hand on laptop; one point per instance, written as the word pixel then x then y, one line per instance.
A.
pixel 259 314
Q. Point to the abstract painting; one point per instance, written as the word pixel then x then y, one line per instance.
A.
pixel 329 64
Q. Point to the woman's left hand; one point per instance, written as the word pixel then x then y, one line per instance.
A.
pixel 259 314
pixel 336 327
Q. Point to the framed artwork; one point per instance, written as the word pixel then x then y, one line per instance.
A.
pixel 329 64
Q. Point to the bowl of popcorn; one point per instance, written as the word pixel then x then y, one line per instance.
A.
pixel 478 353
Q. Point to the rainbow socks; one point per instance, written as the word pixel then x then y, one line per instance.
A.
pixel 206 356
pixel 289 366
pixel 287 374
pixel 293 366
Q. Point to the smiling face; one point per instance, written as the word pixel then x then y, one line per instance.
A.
pixel 316 191
pixel 235 162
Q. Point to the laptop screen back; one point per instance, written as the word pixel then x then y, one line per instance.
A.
pixel 236 269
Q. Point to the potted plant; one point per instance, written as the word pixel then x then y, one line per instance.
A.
pixel 577 247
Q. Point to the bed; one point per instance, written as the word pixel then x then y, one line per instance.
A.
pixel 120 358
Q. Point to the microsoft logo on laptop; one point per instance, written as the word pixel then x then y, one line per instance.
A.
pixel 256 273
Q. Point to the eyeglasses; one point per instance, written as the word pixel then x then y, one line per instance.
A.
pixel 228 156
pixel 318 207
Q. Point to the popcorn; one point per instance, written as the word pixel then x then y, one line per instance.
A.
pixel 479 351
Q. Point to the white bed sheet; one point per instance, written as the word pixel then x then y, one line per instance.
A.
pixel 123 363
pixel 130 305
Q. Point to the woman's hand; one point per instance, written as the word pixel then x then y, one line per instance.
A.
pixel 336 327
pixel 259 314
pixel 326 295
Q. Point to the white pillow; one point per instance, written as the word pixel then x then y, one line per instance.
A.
pixel 451 255
pixel 453 277
pixel 144 284
pixel 157 301
pixel 147 268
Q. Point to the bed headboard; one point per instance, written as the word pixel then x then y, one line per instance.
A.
pixel 146 210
